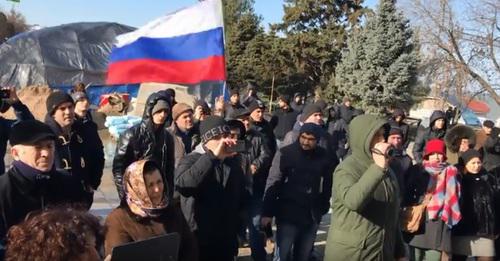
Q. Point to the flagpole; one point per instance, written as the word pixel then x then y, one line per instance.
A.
pixel 224 85
pixel 271 100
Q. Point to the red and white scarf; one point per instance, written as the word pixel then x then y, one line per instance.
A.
pixel 445 190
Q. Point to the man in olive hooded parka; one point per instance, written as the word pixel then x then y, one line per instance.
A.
pixel 365 219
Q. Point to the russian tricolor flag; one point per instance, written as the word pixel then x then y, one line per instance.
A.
pixel 185 47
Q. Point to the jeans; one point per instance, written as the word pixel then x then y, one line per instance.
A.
pixel 257 236
pixel 300 238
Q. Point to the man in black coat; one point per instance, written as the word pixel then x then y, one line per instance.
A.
pixel 261 125
pixel 73 153
pixel 211 183
pixel 436 130
pixel 31 183
pixel 234 103
pixel 491 147
pixel 346 110
pixel 83 117
pixel 22 113
pixel 259 159
pixel 284 118
pixel 297 104
pixel 298 193
pixel 397 121
pixel 148 140
pixel 400 162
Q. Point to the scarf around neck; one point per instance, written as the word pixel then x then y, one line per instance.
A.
pixel 445 191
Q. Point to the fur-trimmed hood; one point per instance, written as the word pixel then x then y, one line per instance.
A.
pixel 458 132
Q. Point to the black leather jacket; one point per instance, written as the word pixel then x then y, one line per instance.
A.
pixel 141 142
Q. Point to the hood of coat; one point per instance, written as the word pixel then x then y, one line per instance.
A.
pixel 147 116
pixel 456 134
pixel 361 132
pixel 435 116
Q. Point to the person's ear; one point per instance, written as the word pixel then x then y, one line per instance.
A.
pixel 15 152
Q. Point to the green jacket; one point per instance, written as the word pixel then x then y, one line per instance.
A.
pixel 365 209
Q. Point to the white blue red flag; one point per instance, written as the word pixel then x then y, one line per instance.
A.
pixel 185 47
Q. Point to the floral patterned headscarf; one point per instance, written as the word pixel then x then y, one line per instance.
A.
pixel 136 193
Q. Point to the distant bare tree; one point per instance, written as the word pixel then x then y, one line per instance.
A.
pixel 18 21
pixel 460 50
pixel 11 24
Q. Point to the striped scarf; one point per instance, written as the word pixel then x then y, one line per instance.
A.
pixel 445 190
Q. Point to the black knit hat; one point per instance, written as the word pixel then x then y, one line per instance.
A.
pixel 55 99
pixel 212 127
pixel 313 129
pixel 29 132
pixel 468 155
pixel 309 110
pixel 395 131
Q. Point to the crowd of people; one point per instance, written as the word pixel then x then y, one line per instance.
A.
pixel 210 174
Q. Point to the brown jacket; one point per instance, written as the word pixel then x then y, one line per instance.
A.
pixel 124 227
pixel 180 150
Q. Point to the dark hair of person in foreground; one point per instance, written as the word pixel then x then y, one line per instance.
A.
pixel 55 234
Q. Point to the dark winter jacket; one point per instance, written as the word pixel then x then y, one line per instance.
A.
pixel 230 108
pixel 491 151
pixel 299 186
pixel 125 227
pixel 366 201
pixel 267 134
pixel 212 195
pixel 95 148
pixel 24 189
pixel 423 135
pixel 22 113
pixel 478 205
pixel 295 106
pixel 338 129
pixel 346 113
pixel 250 99
pixel 258 154
pixel 283 121
pixel 401 165
pixel 144 142
pixel 74 157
